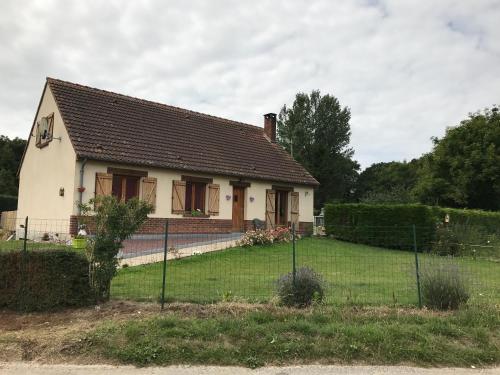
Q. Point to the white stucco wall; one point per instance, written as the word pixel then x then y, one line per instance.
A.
pixel 253 209
pixel 45 170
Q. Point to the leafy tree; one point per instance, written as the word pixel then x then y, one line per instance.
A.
pixel 463 169
pixel 395 195
pixel 11 152
pixel 316 132
pixel 113 223
pixel 388 182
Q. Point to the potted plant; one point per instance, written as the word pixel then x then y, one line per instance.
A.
pixel 79 242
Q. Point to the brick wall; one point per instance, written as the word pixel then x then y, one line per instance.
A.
pixel 176 225
pixel 188 225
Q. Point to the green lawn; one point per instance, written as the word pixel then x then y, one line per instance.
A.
pixel 354 274
pixel 18 245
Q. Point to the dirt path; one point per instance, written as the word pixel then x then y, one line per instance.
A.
pixel 46 337
pixel 34 369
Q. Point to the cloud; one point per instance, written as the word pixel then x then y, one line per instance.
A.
pixel 407 70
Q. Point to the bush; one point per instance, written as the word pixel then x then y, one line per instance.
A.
pixel 308 288
pixel 488 220
pixel 362 223
pixel 446 241
pixel 8 203
pixel 266 237
pixel 44 280
pixel 389 225
pixel 443 287
pixel 114 222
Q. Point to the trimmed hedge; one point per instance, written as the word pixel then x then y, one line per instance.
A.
pixel 489 220
pixel 8 203
pixel 390 225
pixel 44 280
pixel 380 224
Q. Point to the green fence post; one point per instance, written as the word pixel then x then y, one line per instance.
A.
pixel 25 239
pixel 415 249
pixel 294 270
pixel 165 250
pixel 24 268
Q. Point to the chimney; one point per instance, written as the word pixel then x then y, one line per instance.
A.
pixel 270 126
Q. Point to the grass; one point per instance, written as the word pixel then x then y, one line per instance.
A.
pixel 354 274
pixel 18 245
pixel 274 336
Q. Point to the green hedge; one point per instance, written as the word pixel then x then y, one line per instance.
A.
pixel 488 220
pixel 44 280
pixel 380 224
pixel 390 225
pixel 8 203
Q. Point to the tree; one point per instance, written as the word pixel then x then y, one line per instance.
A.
pixel 463 169
pixel 11 152
pixel 316 132
pixel 113 223
pixel 390 182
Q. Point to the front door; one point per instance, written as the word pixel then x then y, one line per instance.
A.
pixel 238 209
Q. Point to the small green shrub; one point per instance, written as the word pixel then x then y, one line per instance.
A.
pixel 443 286
pixel 307 288
pixel 446 242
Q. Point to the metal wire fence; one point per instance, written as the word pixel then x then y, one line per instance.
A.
pixel 362 266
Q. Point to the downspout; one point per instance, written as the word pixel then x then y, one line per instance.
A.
pixel 80 188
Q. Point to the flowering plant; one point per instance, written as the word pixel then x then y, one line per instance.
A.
pixel 266 236
pixel 282 234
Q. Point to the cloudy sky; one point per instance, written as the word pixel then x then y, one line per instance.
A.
pixel 407 69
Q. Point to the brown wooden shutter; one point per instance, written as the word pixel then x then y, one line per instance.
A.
pixel 103 184
pixel 149 191
pixel 213 199
pixel 294 210
pixel 178 197
pixel 50 135
pixel 38 136
pixel 270 209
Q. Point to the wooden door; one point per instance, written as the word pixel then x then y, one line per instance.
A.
pixel 238 209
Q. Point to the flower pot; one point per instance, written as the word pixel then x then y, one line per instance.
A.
pixel 79 243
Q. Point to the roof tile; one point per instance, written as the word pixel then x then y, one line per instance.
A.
pixel 112 127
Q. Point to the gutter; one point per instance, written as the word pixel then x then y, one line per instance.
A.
pixel 81 188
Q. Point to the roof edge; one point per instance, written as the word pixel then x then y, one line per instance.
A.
pixel 200 170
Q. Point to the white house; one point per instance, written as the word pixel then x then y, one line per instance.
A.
pixel 203 172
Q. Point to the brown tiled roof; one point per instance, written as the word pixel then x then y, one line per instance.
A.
pixel 111 127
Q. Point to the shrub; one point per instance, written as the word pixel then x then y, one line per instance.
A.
pixel 446 241
pixel 488 220
pixel 43 280
pixel 256 237
pixel 389 225
pixel 266 237
pixel 361 223
pixel 443 287
pixel 282 234
pixel 114 222
pixel 307 288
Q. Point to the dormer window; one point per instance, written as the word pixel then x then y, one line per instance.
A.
pixel 44 129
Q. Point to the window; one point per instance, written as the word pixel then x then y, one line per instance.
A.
pixel 125 187
pixel 44 129
pixel 281 205
pixel 195 196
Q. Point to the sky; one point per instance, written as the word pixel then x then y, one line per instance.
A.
pixel 406 69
